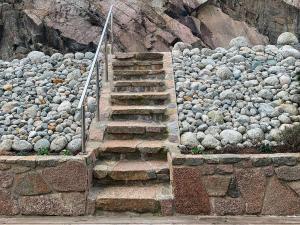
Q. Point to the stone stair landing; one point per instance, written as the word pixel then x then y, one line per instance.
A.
pixel 137 129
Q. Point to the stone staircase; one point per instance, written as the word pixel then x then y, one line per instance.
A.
pixel 137 129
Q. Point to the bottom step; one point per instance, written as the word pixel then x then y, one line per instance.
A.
pixel 132 170
pixel 141 199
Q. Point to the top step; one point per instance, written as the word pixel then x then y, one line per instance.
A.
pixel 139 56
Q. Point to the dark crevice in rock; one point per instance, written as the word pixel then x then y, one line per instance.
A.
pixel 54 39
pixel 185 15
pixel 206 35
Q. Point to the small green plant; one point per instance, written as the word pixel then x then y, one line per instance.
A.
pixel 291 137
pixel 66 152
pixel 22 153
pixel 265 148
pixel 197 150
pixel 43 151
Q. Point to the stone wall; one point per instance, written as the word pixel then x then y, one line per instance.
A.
pixel 45 185
pixel 237 184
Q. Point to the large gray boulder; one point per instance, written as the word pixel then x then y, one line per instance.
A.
pixel 287 38
pixel 5 145
pixel 224 73
pixel 64 106
pixel 35 56
pixel 41 144
pixel 58 144
pixel 239 42
pixel 189 139
pixel 288 51
pixel 210 142
pixel 231 136
pixel 21 145
pixel 74 146
pixel 256 134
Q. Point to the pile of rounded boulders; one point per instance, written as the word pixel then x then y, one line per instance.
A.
pixel 39 96
pixel 242 96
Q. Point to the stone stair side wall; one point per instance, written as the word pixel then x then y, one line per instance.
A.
pixel 45 185
pixel 237 184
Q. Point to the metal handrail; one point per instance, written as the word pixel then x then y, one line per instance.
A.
pixel 81 105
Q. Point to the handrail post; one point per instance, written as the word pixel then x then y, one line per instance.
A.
pixel 106 58
pixel 98 90
pixel 111 34
pixel 83 134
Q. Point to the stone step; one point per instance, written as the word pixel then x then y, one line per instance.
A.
pixel 132 150
pixel 124 130
pixel 142 98
pixel 132 170
pixel 134 127
pixel 117 110
pixel 161 155
pixel 139 86
pixel 138 74
pixel 139 113
pixel 140 199
pixel 139 56
pixel 131 146
pixel 137 65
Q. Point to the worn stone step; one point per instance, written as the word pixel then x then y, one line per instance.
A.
pixel 134 127
pixel 140 199
pixel 139 113
pixel 124 130
pixel 142 98
pixel 131 170
pixel 138 74
pixel 137 65
pixel 139 56
pixel 130 146
pixel 118 110
pixel 139 86
pixel 133 150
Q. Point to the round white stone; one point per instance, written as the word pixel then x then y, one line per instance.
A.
pixel 21 145
pixel 189 139
pixel 231 136
pixel 64 106
pixel 41 144
pixel 35 56
pixel 224 73
pixel 239 42
pixel 58 144
pixel 256 134
pixel 287 38
pixel 210 142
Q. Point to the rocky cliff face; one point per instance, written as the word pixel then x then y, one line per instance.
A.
pixel 295 3
pixel 69 25
pixel 270 17
pixel 140 25
pixel 217 28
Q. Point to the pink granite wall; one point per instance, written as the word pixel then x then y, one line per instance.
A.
pixel 44 185
pixel 208 184
pixel 237 184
